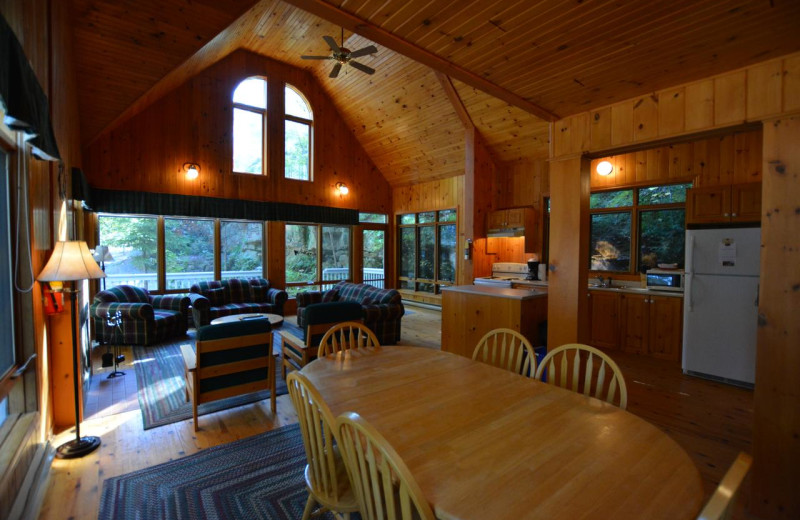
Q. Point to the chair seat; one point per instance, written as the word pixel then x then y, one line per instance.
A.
pixel 347 501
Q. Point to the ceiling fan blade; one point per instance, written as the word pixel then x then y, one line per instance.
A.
pixel 335 71
pixel 371 49
pixel 315 57
pixel 331 43
pixel 362 68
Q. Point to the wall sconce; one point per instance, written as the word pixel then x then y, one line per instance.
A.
pixel 604 168
pixel 341 188
pixel 192 170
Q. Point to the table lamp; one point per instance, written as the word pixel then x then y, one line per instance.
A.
pixel 72 261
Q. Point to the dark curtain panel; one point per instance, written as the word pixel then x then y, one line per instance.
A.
pixel 25 103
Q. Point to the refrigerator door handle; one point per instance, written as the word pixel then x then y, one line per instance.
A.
pixel 758 291
pixel 690 272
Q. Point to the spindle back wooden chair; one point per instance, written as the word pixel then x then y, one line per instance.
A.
pixel 345 336
pixel 720 505
pixel 326 478
pixel 383 485
pixel 587 370
pixel 506 349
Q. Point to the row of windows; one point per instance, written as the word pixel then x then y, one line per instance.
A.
pixel 250 130
pixel 195 250
pixel 427 250
pixel 648 221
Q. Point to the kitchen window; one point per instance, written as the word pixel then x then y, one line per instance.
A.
pixel 635 229
pixel 427 250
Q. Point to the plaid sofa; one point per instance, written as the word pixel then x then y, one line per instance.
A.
pixel 146 319
pixel 382 309
pixel 211 300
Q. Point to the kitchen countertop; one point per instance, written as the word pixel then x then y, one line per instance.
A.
pixel 499 292
pixel 637 290
pixel 530 283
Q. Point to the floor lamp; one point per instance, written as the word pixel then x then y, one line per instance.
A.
pixel 72 261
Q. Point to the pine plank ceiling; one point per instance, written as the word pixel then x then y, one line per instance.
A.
pixel 514 64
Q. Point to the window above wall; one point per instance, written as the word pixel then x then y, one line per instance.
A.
pixel 635 229
pixel 298 134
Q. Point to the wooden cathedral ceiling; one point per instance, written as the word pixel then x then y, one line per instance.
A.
pixel 534 58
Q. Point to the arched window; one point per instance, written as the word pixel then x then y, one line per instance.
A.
pixel 298 124
pixel 250 126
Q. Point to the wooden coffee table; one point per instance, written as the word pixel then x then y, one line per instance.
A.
pixel 275 320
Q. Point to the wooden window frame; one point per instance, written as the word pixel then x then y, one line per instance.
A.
pixel 437 224
pixel 263 112
pixel 319 282
pixel 309 125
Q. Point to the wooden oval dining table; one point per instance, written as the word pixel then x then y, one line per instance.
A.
pixel 484 443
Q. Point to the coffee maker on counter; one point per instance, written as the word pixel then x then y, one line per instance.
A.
pixel 533 268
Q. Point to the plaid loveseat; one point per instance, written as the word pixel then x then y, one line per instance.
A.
pixel 382 309
pixel 146 319
pixel 211 300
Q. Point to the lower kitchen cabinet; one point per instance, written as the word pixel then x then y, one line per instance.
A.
pixel 637 323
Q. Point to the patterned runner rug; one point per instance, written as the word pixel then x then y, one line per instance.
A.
pixel 260 477
pixel 159 376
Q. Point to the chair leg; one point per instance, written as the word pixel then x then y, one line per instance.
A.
pixel 309 507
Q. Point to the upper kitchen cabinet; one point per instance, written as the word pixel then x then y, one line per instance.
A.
pixel 724 204
pixel 516 222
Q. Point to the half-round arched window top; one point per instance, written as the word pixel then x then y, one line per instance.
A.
pixel 251 92
pixel 296 104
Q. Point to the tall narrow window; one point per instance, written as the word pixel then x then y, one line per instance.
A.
pixel 249 126
pixel 7 342
pixel 188 251
pixel 298 136
pixel 133 243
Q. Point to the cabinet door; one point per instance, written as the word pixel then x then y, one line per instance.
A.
pixel 746 202
pixel 708 205
pixel 666 333
pixel 604 319
pixel 634 323
pixel 515 218
pixel 497 219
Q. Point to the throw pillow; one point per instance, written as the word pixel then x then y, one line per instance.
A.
pixel 216 297
pixel 330 296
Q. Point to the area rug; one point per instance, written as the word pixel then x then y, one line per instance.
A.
pixel 260 477
pixel 162 397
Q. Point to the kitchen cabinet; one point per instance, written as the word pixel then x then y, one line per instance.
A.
pixel 651 325
pixel 724 204
pixel 514 220
pixel 604 319
pixel 640 323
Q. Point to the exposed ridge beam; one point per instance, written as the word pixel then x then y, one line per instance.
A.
pixel 455 99
pixel 383 37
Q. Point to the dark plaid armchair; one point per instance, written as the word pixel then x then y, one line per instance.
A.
pixel 382 309
pixel 146 319
pixel 211 300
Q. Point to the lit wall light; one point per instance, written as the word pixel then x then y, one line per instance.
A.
pixel 192 170
pixel 341 188
pixel 604 168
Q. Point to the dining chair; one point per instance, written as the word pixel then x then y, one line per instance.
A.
pixel 383 484
pixel 345 336
pixel 229 359
pixel 720 505
pixel 564 365
pixel 326 478
pixel 506 349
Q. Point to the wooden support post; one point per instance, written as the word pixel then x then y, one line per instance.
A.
pixel 568 305
pixel 776 433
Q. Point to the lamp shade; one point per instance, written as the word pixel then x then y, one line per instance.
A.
pixel 70 261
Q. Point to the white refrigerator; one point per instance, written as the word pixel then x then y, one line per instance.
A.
pixel 720 305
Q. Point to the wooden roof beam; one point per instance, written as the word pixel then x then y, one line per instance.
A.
pixel 380 36
pixel 455 99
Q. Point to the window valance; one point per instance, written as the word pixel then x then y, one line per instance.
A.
pixel 167 204
pixel 24 102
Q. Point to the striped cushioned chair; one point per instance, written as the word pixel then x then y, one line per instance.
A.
pixel 146 319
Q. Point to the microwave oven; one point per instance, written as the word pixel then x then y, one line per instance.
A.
pixel 665 279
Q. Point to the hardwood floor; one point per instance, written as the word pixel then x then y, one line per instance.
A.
pixel 711 421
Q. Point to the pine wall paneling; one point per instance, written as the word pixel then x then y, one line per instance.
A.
pixel 193 123
pixel 747 95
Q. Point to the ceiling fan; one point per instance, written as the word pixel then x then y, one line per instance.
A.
pixel 344 56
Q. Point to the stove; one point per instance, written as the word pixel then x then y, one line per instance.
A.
pixel 504 274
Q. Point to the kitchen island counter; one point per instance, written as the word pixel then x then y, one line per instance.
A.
pixel 499 292
pixel 470 311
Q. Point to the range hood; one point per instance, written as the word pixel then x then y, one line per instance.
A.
pixel 506 232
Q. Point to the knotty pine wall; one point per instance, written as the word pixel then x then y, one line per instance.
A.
pixel 43 29
pixel 194 123
pixel 733 158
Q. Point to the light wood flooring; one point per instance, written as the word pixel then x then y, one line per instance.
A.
pixel 711 421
